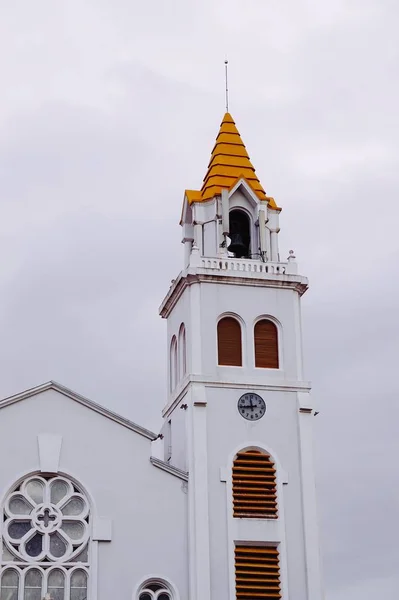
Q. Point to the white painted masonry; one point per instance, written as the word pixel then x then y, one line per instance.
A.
pixel 203 407
pixel 139 511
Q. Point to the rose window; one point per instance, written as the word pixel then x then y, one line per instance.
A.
pixel 46 519
pixel 45 541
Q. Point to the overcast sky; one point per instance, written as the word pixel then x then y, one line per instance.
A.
pixel 108 111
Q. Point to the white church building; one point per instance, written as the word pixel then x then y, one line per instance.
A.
pixel 220 505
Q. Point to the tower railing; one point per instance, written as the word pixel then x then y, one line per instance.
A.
pixel 244 265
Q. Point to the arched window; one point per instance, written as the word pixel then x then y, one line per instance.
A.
pixel 155 590
pixel 254 486
pixel 266 344
pixel 229 342
pixel 46 532
pixel 182 352
pixel 239 235
pixel 173 364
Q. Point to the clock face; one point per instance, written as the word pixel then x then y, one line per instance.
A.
pixel 251 406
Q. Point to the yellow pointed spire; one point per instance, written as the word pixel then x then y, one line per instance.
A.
pixel 229 163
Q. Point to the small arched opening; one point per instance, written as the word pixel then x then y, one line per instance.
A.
pixel 240 234
pixel 173 364
pixel 182 352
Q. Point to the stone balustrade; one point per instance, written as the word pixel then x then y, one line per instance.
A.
pixel 243 265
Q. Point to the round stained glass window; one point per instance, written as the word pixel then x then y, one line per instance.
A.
pixel 46 519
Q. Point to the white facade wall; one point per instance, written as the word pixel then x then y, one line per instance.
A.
pixel 277 431
pixel 225 431
pixel 178 433
pixel 147 506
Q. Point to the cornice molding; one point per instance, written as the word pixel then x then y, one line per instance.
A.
pixel 192 276
pixel 160 464
pixel 284 386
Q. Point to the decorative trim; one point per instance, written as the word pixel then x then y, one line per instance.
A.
pixel 169 468
pixel 105 412
pixel 38 505
pixel 264 530
pixel 248 191
pixel 194 275
pixel 288 386
pixel 49 452
pixel 170 587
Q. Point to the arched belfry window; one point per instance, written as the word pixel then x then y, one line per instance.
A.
pixel 182 352
pixel 266 344
pixel 46 537
pixel 254 486
pixel 156 589
pixel 173 364
pixel 229 342
pixel 240 234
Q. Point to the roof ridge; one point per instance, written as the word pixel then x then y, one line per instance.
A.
pixel 106 412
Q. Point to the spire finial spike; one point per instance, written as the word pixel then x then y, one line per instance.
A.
pixel 226 64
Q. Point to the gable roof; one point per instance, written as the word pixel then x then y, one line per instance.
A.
pixel 105 412
pixel 229 163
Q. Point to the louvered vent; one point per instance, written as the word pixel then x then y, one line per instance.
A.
pixel 229 342
pixel 257 573
pixel 266 345
pixel 254 486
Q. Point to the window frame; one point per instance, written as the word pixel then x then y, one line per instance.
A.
pixel 182 352
pixel 240 530
pixel 24 564
pixel 240 513
pixel 173 364
pixel 167 587
pixel 241 323
pixel 279 329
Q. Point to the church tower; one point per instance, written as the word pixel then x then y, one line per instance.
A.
pixel 239 414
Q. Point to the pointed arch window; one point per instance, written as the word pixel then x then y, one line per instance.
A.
pixel 229 342
pixel 46 539
pixel 254 486
pixel 173 364
pixel 266 344
pixel 182 352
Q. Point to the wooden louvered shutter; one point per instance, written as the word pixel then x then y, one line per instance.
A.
pixel 254 486
pixel 257 573
pixel 266 345
pixel 229 342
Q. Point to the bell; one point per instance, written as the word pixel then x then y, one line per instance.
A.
pixel 237 245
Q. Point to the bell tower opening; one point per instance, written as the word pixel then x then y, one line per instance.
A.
pixel 239 234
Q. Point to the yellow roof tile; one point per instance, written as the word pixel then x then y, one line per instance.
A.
pixel 193 196
pixel 231 171
pixel 228 164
